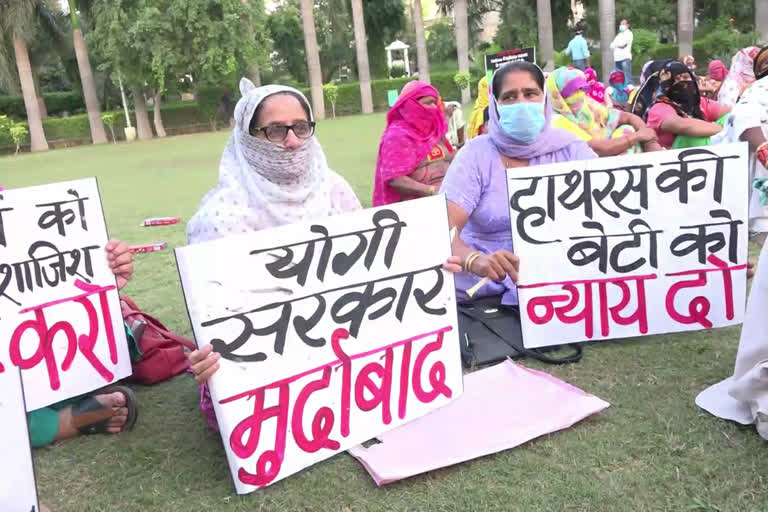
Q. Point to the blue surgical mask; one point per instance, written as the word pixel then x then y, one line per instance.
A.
pixel 622 28
pixel 522 121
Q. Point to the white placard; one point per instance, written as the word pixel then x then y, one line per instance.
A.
pixel 18 492
pixel 631 245
pixel 60 318
pixel 339 330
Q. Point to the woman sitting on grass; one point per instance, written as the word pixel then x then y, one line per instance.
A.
pixel 273 172
pixel 520 135
pixel 414 152
pixel 680 116
pixel 608 131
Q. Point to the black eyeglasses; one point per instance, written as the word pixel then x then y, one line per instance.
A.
pixel 278 132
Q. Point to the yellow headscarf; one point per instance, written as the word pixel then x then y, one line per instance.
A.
pixel 476 121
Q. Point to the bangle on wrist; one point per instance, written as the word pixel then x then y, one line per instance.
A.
pixel 470 260
pixel 431 190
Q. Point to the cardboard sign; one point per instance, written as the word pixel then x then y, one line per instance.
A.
pixel 631 245
pixel 18 492
pixel 496 60
pixel 330 333
pixel 60 319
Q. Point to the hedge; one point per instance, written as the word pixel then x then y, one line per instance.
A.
pixel 55 102
pixel 348 101
pixel 76 128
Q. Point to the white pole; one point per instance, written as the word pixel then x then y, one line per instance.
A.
pixel 407 64
pixel 125 102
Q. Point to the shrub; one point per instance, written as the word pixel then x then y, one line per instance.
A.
pixel 55 102
pixel 5 131
pixel 721 43
pixel 110 118
pixel 441 42
pixel 208 99
pixel 644 43
pixel 397 71
pixel 462 79
pixel 19 134
pixel 331 92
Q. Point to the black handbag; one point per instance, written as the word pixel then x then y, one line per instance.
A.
pixel 490 332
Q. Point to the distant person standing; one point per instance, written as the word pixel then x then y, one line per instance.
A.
pixel 622 50
pixel 579 51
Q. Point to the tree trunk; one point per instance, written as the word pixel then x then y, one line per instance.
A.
pixel 607 33
pixel 761 20
pixel 158 119
pixel 361 45
pixel 253 70
pixel 98 135
pixel 462 43
pixel 421 42
pixel 36 132
pixel 255 75
pixel 685 26
pixel 313 60
pixel 142 118
pixel 40 99
pixel 546 41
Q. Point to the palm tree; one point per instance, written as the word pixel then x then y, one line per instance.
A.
pixel 98 134
pixel 313 59
pixel 761 20
pixel 421 41
pixel 143 128
pixel 361 45
pixel 462 42
pixel 16 21
pixel 546 40
pixel 607 33
pixel 685 26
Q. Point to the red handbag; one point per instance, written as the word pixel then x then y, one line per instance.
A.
pixel 162 352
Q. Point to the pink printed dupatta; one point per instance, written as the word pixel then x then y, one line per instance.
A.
pixel 412 131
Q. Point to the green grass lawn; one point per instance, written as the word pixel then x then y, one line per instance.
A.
pixel 651 450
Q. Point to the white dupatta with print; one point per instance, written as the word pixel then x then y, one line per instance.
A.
pixel 262 185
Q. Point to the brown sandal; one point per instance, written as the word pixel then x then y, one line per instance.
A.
pixel 91 416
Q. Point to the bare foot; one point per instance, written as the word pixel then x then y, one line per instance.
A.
pixel 117 402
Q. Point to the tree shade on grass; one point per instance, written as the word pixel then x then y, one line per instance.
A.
pixel 652 450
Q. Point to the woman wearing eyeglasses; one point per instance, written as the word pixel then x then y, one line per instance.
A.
pixel 273 172
pixel 414 153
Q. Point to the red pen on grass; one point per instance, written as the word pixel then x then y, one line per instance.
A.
pixel 159 246
pixel 160 221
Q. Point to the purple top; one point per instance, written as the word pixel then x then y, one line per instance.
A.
pixel 476 181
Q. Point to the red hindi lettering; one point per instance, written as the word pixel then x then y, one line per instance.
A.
pixel 381 393
pixel 245 437
pixel 322 423
pixel 640 316
pixel 700 306
pixel 436 373
pixel 346 377
pixel 45 336
pixel 548 302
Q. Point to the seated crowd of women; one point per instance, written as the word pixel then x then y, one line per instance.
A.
pixel 274 172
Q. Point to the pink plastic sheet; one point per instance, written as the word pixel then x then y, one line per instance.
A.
pixel 502 407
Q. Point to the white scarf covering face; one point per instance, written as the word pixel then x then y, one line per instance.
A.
pixel 261 184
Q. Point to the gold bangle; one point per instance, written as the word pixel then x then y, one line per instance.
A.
pixel 431 190
pixel 477 257
pixel 470 260
pixel 467 260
